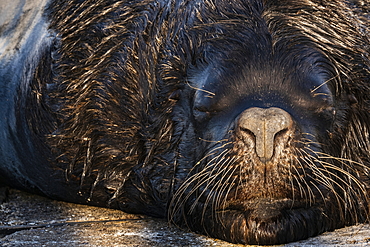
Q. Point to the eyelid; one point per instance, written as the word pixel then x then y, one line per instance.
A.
pixel 322 97
pixel 201 108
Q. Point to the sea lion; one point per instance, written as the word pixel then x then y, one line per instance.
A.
pixel 244 120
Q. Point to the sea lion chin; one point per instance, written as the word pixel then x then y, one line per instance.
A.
pixel 246 121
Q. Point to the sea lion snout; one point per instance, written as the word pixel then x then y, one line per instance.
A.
pixel 262 125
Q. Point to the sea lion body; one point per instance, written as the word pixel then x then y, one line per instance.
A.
pixel 243 120
pixel 22 36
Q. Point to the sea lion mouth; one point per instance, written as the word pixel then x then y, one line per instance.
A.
pixel 269 221
pixel 266 208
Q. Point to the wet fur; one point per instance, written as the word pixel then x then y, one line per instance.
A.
pixel 107 117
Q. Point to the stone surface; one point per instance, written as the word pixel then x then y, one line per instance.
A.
pixel 31 220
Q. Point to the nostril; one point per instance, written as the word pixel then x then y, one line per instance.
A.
pixel 246 131
pixel 265 125
pixel 281 132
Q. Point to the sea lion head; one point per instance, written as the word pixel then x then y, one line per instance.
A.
pixel 268 141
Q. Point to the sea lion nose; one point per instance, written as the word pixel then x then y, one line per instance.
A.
pixel 264 124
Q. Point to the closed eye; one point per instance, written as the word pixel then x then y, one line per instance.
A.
pixel 201 109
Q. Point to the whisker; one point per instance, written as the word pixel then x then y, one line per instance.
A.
pixel 350 194
pixel 222 182
pixel 209 181
pixel 199 89
pixel 342 160
pixel 221 202
pixel 322 84
pixel 204 176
